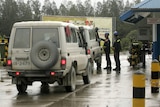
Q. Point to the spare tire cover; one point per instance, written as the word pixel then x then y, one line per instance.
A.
pixel 44 54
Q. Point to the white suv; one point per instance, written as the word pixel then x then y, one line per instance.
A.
pixel 47 51
pixel 91 37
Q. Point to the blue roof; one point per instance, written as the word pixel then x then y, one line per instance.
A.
pixel 130 17
pixel 145 6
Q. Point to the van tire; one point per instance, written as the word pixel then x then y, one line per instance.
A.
pixel 44 54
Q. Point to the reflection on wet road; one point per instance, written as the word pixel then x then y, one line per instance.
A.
pixel 111 90
pixel 106 90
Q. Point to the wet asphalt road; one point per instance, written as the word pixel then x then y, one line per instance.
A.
pixel 105 90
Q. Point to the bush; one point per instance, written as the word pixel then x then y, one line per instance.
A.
pixel 127 40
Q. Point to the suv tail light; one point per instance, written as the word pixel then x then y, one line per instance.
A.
pixel 63 63
pixel 52 73
pixel 88 51
pixel 17 73
pixel 9 62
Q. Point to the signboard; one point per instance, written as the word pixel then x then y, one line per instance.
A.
pixel 153 20
pixel 63 18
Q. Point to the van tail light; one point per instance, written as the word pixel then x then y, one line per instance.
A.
pixel 63 63
pixel 88 51
pixel 9 62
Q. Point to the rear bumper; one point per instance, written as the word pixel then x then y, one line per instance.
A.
pixel 35 73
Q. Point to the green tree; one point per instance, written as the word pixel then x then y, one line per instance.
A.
pixel 35 6
pixel 114 8
pixel 105 9
pixel 49 8
pixel 1 8
pixel 73 11
pixel 24 11
pixel 137 1
pixel 126 41
pixel 98 9
pixel 80 8
pixel 120 6
pixel 88 8
pixel 1 11
pixel 127 6
pixel 8 16
pixel 12 11
pixel 63 10
pixel 54 8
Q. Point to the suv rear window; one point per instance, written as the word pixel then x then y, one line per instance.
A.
pixel 50 34
pixel 22 37
pixel 72 36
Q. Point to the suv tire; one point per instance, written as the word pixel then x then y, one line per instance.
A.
pixel 87 75
pixel 44 54
pixel 44 87
pixel 98 62
pixel 21 87
pixel 71 78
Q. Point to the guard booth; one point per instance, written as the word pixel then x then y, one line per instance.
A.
pixel 148 10
pixel 145 37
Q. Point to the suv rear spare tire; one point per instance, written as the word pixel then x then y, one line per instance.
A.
pixel 44 54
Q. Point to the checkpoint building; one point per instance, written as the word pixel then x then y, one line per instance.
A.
pixel 149 11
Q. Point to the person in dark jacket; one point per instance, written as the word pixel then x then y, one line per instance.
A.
pixel 106 48
pixel 117 49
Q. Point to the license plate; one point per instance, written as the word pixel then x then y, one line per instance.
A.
pixel 21 63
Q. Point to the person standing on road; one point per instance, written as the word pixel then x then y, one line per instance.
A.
pixel 117 49
pixel 106 48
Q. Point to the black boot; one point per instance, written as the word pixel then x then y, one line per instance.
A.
pixel 109 68
pixel 105 68
pixel 99 70
pixel 117 69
